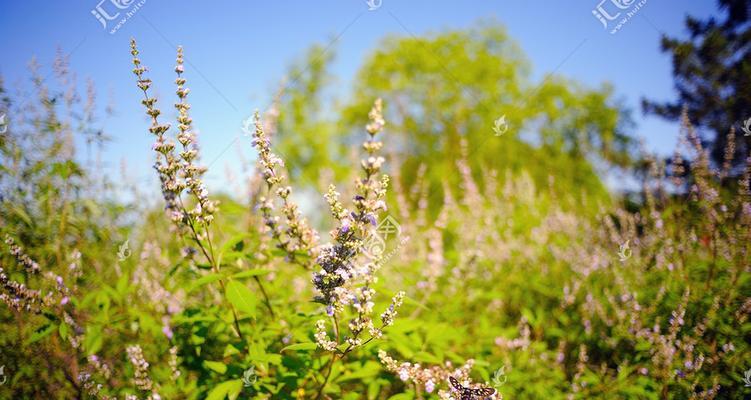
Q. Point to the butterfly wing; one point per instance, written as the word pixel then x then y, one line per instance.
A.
pixel 483 392
pixel 455 383
pixel 466 394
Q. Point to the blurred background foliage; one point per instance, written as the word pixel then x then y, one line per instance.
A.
pixel 450 88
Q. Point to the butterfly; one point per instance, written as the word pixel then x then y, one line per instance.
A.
pixel 469 394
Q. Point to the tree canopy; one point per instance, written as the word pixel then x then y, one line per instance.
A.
pixel 712 74
pixel 443 93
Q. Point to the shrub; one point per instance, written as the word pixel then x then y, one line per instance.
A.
pixel 512 288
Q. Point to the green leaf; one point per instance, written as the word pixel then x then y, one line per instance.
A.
pixel 229 389
pixel 301 347
pixel 41 333
pixel 374 387
pixel 93 340
pixel 230 350
pixel 216 366
pixel 402 396
pixel 232 256
pixel 360 374
pixel 242 298
pixel 426 357
pixel 411 301
pixel 234 243
pixel 63 331
pixel 251 272
pixel 122 284
pixel 21 213
pixel 204 280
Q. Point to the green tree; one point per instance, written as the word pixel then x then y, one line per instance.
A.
pixel 306 135
pixel 712 73
pixel 446 89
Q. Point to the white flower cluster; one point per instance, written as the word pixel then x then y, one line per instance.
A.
pixel 344 280
pixel 429 378
pixel 141 368
pixel 322 338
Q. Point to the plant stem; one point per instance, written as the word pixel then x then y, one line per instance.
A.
pixel 265 296
pixel 328 375
pixel 214 267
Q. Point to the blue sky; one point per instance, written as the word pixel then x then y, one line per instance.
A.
pixel 237 51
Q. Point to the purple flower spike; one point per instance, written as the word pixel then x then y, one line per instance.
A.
pixel 345 226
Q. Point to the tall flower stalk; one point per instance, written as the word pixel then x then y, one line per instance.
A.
pixel 343 279
pixel 202 213
pixel 178 174
pixel 293 236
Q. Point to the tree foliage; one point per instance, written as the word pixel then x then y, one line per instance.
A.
pixel 444 93
pixel 712 74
